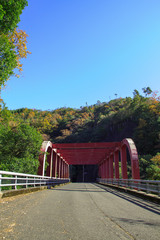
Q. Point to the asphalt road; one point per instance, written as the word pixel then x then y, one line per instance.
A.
pixel 79 211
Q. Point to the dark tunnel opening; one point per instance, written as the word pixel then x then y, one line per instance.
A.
pixel 83 173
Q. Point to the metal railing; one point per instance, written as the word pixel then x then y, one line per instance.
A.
pixel 148 186
pixel 13 179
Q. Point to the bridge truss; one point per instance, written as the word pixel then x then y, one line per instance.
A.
pixel 106 155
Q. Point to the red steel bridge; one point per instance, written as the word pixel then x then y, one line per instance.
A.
pixel 81 209
pixel 106 155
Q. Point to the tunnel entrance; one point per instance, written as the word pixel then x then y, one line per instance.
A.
pixel 83 173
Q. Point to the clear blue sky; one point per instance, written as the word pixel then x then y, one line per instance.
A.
pixel 86 50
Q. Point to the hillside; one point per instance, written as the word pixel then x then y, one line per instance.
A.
pixel 137 118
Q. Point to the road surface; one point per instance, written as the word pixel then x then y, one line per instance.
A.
pixel 79 211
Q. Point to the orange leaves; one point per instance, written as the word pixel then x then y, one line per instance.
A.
pixel 154 109
pixel 19 40
pixel 31 115
pixel 155 103
pixel 156 159
pixel 66 132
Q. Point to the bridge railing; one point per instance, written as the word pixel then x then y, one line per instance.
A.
pixel 13 179
pixel 148 186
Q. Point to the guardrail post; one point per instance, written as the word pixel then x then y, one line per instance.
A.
pixel 26 182
pixel 159 189
pixel 147 188
pixel 40 182
pixel 15 187
pixel 0 182
pixel 34 182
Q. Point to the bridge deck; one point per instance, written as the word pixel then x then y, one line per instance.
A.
pixel 78 211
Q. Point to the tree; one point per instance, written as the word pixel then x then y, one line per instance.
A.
pixel 7 59
pixel 150 167
pixel 136 93
pixel 12 42
pixel 19 148
pixel 10 11
pixel 156 159
pixel 147 91
pixel 19 40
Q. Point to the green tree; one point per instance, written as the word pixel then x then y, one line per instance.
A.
pixel 19 148
pixel 150 167
pixel 147 91
pixel 7 59
pixel 10 11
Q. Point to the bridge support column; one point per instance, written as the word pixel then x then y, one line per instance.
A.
pixel 124 162
pixel 116 162
pixel 127 142
pixel 63 168
pixel 58 166
pixel 111 166
pixel 49 161
pixel 103 170
pixel 67 170
pixel 99 170
pixel 64 175
pixel 107 168
pixel 51 167
pixel 41 164
pixel 54 168
pixel 65 165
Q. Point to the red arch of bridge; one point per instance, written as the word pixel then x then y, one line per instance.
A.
pixel 60 156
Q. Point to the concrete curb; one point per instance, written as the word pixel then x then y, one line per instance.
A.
pixel 140 194
pixel 11 193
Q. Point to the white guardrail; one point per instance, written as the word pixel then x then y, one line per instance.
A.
pixel 148 186
pixel 14 179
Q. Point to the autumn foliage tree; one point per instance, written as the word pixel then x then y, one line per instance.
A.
pixel 19 40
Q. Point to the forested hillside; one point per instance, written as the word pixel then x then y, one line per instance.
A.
pixel 137 118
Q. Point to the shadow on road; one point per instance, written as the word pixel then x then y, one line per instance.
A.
pixel 149 206
pixel 133 221
pixel 152 207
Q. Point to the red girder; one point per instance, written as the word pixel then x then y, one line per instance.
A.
pixel 85 153
pixel 86 145
pixel 102 154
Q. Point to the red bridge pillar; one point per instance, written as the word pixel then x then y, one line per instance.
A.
pixel 58 166
pixel 111 166
pixel 54 168
pixel 46 148
pixel 49 161
pixel 100 170
pixel 107 168
pixel 116 164
pixel 124 162
pixel 128 142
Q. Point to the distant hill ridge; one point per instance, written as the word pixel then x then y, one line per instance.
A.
pixel 137 118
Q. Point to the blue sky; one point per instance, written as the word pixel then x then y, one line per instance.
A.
pixel 86 50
